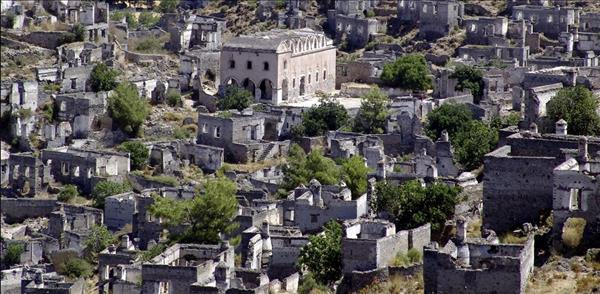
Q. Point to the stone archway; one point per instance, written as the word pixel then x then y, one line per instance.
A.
pixel 209 78
pixel 248 84
pixel 231 82
pixel 266 90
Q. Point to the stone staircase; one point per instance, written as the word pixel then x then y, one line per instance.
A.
pixel 266 152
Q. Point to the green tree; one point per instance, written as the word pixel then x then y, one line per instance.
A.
pixel 76 268
pixel 373 112
pixel 98 239
pixel 354 172
pixel 107 188
pixel 13 253
pixel 68 193
pixel 235 98
pixel 328 115
pixel 579 107
pixel 322 256
pixel 412 205
pixel 168 6
pixel 147 19
pixel 469 78
pixel 103 78
pixel 206 216
pixel 138 153
pixel 408 72
pixel 449 117
pixel 127 108
pixel 302 168
pixel 472 142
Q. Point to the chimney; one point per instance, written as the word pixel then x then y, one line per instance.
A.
pixel 533 128
pixel 444 136
pixel 561 127
pixel 265 228
pixel 125 242
pixel 315 189
pixel 583 148
pixel 461 229
pixel 462 254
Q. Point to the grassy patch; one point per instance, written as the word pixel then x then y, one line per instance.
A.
pixel 511 238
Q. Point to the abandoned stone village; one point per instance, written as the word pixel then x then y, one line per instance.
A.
pixel 300 146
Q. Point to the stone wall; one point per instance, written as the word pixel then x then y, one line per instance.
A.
pixel 18 209
pixel 516 189
pixel 119 210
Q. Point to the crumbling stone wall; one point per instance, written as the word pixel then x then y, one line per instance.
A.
pixel 548 20
pixel 576 194
pixel 27 175
pixel 513 194
pixel 357 31
pixel 119 210
pixel 17 210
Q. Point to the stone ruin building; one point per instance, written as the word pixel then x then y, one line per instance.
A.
pixel 511 194
pixel 466 265
pixel 168 157
pixel 576 193
pixel 241 135
pixel 372 244
pixel 295 64
pixel 435 18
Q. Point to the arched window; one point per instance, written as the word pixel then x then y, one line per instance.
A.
pixel 266 65
pixel 231 63
pixel 324 74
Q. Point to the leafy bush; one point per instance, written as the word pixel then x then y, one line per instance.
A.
pixel 168 6
pixel 25 113
pixel 138 153
pixel 98 239
pixel 148 19
pixel 235 98
pixel 132 22
pixel 68 193
pixel 76 268
pixel 127 108
pixel 408 72
pixel 308 285
pixel 117 15
pixel 149 254
pixel 572 233
pixel 13 254
pixel 103 78
pixel 75 34
pixel 182 133
pixel 107 188
pixel 48 112
pixel 173 98
pixel 578 106
pixel 412 256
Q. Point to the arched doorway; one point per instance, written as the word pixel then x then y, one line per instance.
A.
pixel 209 78
pixel 266 90
pixel 249 85
pixel 231 82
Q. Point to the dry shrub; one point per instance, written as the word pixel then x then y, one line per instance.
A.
pixel 573 232
pixel 172 116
